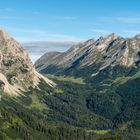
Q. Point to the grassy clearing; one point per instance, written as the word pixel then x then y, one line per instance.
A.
pixel 99 132
pixel 58 90
pixel 122 80
pixel 36 103
pixel 6 125
pixel 67 79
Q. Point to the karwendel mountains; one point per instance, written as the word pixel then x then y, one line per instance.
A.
pixel 108 69
pixel 17 73
pixel 107 51
pixel 93 92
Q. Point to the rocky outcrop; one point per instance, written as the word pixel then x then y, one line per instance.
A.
pixel 16 69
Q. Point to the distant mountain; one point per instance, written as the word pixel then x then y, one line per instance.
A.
pixel 108 50
pixel 38 48
pixel 17 73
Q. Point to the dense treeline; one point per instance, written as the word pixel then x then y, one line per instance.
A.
pixel 19 122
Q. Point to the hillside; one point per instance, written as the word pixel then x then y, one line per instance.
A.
pixel 17 73
pixel 108 69
pixel 108 50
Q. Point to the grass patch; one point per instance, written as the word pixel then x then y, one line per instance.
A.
pixel 122 80
pixel 5 125
pixel 67 79
pixel 36 103
pixel 58 90
pixel 99 132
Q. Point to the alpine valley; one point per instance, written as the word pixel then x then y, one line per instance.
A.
pixel 90 92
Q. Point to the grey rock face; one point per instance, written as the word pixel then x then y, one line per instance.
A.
pixel 107 50
pixel 16 70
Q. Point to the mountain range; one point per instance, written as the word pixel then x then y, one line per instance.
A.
pixel 109 68
pixel 108 50
pixel 89 92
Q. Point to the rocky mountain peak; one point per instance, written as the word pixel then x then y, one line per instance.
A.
pixel 4 34
pixel 89 42
pixel 108 38
pixel 106 51
pixel 17 73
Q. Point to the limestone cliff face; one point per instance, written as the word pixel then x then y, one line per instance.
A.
pixel 17 73
pixel 107 50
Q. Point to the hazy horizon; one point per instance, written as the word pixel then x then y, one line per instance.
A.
pixel 67 21
pixel 37 49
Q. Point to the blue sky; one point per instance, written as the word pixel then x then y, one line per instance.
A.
pixel 69 20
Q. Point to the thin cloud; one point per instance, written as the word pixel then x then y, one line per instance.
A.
pixel 100 31
pixel 134 20
pixel 29 31
pixel 66 18
pixel 64 37
pixel 14 18
pixel 35 35
pixel 129 20
pixel 36 12
pixel 7 10
pixel 70 18
pixel 131 32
